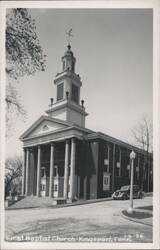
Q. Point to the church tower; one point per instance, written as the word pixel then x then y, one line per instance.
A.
pixel 68 106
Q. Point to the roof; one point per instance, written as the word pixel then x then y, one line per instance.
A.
pixel 89 134
pixel 42 118
pixel 68 125
pixel 99 135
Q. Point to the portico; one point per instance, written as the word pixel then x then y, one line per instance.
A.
pixel 53 173
pixel 50 158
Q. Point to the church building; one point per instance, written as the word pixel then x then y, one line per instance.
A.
pixel 65 160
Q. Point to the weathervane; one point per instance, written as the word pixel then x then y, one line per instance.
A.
pixel 69 34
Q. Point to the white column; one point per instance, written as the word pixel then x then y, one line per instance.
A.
pixel 72 176
pixel 51 170
pixel 65 191
pixel 78 186
pixel 138 168
pixel 38 170
pixel 108 158
pixel 120 159
pixel 23 171
pixel 113 167
pixel 27 171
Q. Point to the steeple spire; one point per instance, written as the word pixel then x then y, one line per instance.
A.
pixel 69 35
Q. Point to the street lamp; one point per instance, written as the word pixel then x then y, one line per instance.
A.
pixel 132 157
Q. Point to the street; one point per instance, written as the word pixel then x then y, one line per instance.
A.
pixel 100 221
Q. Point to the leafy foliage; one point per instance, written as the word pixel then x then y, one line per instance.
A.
pixel 24 54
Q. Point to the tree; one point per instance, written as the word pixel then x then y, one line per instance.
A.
pixel 14 108
pixel 142 135
pixel 24 55
pixel 13 173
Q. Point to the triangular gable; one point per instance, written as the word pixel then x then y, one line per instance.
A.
pixel 44 124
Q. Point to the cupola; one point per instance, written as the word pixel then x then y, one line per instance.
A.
pixel 68 60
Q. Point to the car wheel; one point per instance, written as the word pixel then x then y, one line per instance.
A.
pixel 124 197
pixel 140 196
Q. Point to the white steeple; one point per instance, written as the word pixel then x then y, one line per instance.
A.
pixel 67 106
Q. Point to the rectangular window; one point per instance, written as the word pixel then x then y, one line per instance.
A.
pixel 145 175
pixel 106 182
pixel 106 162
pixel 106 168
pixel 55 171
pixel 73 66
pixel 118 165
pixel 63 65
pixel 42 172
pixel 43 187
pixel 118 169
pixel 60 91
pixel 137 173
pixel 75 94
pixel 55 187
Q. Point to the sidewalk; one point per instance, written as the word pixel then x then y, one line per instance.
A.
pixel 142 215
pixel 24 204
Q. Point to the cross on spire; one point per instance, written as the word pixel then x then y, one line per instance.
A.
pixel 69 34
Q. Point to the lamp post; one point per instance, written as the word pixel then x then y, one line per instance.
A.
pixel 132 157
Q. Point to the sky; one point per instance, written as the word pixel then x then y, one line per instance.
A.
pixel 113 50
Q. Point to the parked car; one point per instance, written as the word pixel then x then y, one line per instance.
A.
pixel 124 193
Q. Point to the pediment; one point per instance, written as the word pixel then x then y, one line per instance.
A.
pixel 44 125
